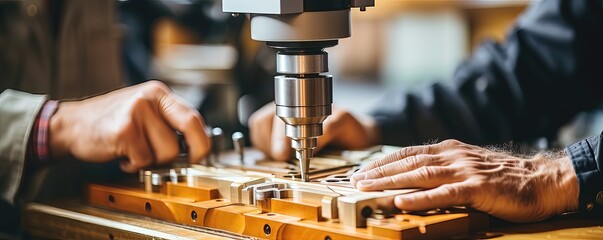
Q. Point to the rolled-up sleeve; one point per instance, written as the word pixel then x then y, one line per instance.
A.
pixel 18 112
pixel 587 161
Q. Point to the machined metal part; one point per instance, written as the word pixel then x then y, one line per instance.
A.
pixel 263 6
pixel 154 179
pixel 303 103
pixel 217 137
pixel 329 207
pixel 301 63
pixel 229 186
pixel 182 160
pixel 241 201
pixel 355 209
pixel 299 90
pixel 336 200
pixel 157 180
pixel 238 140
pixel 362 4
pixel 300 29
pixel 306 26
pixel 262 193
pixel 178 175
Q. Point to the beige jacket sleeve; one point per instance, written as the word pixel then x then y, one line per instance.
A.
pixel 18 112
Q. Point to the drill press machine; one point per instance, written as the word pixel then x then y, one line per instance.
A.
pixel 300 30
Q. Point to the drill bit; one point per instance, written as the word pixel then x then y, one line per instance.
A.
pixel 304 156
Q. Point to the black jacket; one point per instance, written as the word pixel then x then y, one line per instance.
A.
pixel 548 70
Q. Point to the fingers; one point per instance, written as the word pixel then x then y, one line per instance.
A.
pixel 344 130
pixel 139 155
pixel 189 122
pixel 423 177
pixel 280 148
pixel 401 154
pixel 404 165
pixel 160 136
pixel 447 195
pixel 260 128
pixel 267 133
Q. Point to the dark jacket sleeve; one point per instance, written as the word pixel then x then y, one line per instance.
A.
pixel 548 69
pixel 588 162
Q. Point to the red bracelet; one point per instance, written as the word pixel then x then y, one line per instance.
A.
pixel 40 151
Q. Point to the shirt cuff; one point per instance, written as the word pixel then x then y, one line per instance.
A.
pixel 39 149
pixel 586 159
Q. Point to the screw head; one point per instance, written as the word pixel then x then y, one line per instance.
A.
pixel 194 216
pixel 590 206
pixel 267 229
pixel 147 206
pixel 366 212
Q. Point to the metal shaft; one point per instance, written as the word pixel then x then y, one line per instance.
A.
pixel 303 98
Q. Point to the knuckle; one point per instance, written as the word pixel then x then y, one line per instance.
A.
pixel 429 160
pixel 460 194
pixel 401 165
pixel 425 172
pixel 398 155
pixel 405 151
pixel 452 192
pixel 463 153
pixel 451 142
pixel 413 161
pixel 391 181
pixel 139 103
pixel 380 171
pixel 375 164
pixel 157 87
pixel 343 116
pixel 192 118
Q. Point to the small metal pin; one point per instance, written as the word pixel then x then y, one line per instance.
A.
pixel 217 136
pixel 238 140
pixel 182 160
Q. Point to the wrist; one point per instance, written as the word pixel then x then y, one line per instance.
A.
pixel 57 142
pixel 39 146
pixel 569 185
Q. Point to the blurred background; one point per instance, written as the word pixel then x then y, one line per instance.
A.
pixel 209 59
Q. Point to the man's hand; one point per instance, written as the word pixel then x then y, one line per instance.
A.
pixel 137 123
pixel 457 174
pixel 341 129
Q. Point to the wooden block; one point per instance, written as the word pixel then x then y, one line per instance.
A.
pixel 195 193
pixel 303 209
pixel 229 218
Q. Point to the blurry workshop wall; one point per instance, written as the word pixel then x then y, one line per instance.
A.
pixel 412 43
pixel 199 54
